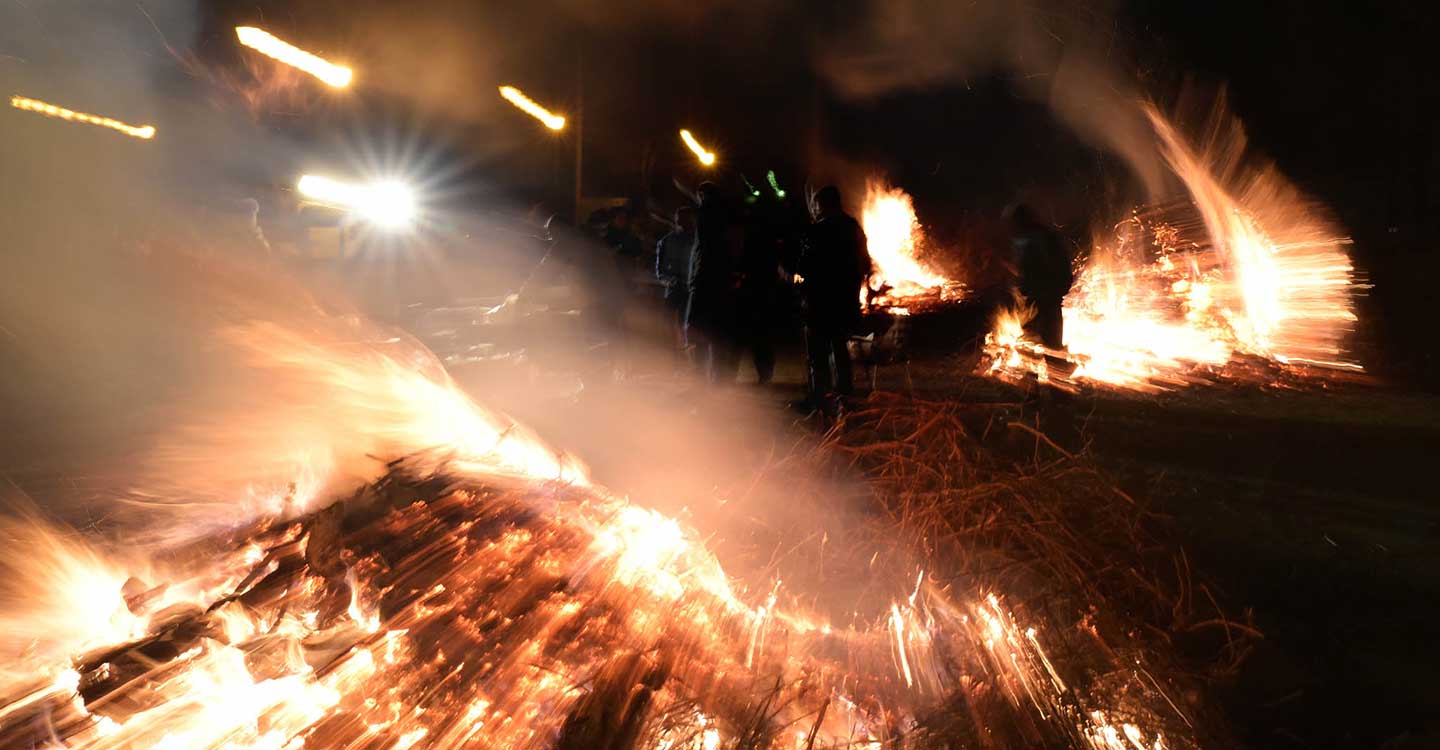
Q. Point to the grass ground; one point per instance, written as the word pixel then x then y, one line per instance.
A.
pixel 1314 509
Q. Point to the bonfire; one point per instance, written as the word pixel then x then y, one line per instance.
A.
pixel 484 592
pixel 1240 279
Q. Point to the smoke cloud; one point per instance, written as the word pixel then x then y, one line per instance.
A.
pixel 1064 55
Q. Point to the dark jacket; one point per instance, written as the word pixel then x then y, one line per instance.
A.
pixel 672 261
pixel 712 268
pixel 1043 262
pixel 834 263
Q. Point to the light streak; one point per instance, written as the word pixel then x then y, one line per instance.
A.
pixel 775 184
pixel 706 157
pixel 337 76
pixel 144 132
pixel 528 106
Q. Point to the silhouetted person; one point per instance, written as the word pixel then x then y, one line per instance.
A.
pixel 761 288
pixel 710 320
pixel 1044 275
pixel 621 238
pixel 672 268
pixel 834 266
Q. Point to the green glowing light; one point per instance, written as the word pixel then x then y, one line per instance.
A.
pixel 775 184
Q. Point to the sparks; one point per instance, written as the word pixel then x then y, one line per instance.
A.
pixel 144 132
pixel 706 157
pixel 336 76
pixel 482 594
pixel 529 107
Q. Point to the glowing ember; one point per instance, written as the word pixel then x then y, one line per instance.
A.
pixel 1184 293
pixel 706 157
pixel 144 132
pixel 895 238
pixel 482 595
pixel 529 107
pixel 337 76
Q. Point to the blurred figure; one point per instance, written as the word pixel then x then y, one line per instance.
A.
pixel 621 238
pixel 710 317
pixel 834 268
pixel 672 269
pixel 236 223
pixel 1042 266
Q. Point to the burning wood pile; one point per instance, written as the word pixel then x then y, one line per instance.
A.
pixel 1241 274
pixel 902 280
pixel 484 592
pixel 439 609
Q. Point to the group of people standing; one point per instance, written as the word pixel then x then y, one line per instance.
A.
pixel 726 274
pixel 731 272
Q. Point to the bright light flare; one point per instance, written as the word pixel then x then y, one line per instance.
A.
pixel 143 132
pixel 528 106
pixel 336 76
pixel 706 157
pixel 386 203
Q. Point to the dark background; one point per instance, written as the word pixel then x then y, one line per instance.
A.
pixel 955 103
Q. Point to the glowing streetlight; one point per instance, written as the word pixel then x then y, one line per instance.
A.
pixel 144 132
pixel 706 157
pixel 529 107
pixel 337 76
pixel 386 203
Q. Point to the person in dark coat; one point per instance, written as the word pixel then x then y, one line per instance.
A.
pixel 620 237
pixel 710 319
pixel 672 268
pixel 1044 275
pixel 761 288
pixel 834 266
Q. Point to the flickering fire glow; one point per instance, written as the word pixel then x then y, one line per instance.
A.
pixel 336 76
pixel 895 240
pixel 1244 270
pixel 482 594
pixel 143 132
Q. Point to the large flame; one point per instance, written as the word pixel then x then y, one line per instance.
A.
pixel 895 239
pixel 485 595
pixel 1246 268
